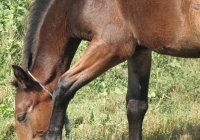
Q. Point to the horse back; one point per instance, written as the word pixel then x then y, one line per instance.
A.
pixel 167 27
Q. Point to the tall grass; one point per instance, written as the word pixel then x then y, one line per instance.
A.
pixel 98 110
pixel 12 15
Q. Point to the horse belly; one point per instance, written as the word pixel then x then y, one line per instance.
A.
pixel 190 51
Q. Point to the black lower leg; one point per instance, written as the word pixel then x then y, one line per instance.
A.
pixel 137 103
pixel 67 126
pixel 61 99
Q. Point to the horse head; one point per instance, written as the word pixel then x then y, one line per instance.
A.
pixel 32 106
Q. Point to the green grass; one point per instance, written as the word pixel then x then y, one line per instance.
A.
pixel 98 110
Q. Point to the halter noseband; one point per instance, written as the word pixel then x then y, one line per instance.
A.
pixel 39 83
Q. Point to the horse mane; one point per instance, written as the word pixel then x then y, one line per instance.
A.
pixel 36 15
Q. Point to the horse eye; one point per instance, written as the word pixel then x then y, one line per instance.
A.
pixel 21 117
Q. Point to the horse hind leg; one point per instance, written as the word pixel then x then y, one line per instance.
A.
pixel 98 58
pixel 137 100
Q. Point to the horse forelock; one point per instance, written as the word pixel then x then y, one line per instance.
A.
pixel 36 16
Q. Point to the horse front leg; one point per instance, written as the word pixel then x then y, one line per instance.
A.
pixel 137 99
pixel 98 58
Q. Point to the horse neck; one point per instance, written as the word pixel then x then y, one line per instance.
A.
pixel 48 59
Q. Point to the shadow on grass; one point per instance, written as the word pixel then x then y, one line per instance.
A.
pixel 184 131
pixel 187 131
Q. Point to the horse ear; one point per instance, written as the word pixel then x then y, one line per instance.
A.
pixel 21 76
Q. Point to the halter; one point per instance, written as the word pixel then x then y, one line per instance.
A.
pixel 67 121
pixel 39 83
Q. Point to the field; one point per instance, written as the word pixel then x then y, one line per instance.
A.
pixel 98 110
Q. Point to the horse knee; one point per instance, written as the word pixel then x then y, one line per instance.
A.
pixel 136 109
pixel 62 90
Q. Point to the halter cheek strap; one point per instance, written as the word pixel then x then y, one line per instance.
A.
pixel 67 122
pixel 39 83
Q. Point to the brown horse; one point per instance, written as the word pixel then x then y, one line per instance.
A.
pixel 119 30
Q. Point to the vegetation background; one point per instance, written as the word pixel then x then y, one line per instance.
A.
pixel 98 110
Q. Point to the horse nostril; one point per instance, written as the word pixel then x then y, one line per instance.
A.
pixel 21 117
